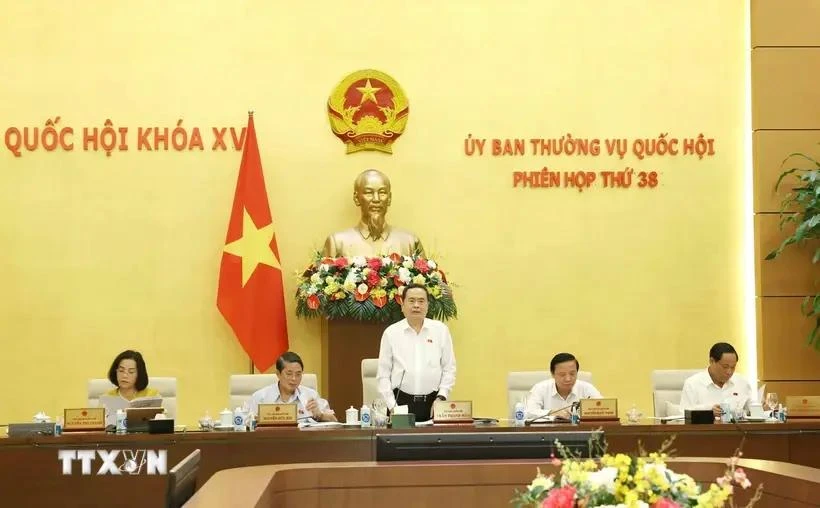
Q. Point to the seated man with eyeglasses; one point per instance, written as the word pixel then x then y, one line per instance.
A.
pixel 289 390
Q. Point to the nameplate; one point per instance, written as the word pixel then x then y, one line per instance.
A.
pixel 86 418
pixel 453 411
pixel 599 409
pixel 271 415
pixel 803 406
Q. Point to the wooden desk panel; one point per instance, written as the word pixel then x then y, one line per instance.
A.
pixel 31 464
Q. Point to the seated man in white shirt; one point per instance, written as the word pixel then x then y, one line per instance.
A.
pixel 289 390
pixel 718 383
pixel 557 395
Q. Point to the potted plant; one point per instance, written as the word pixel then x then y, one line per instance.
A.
pixel 801 208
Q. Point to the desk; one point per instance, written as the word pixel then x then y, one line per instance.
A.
pixel 31 474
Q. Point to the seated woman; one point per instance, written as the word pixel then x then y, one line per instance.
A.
pixel 289 389
pixel 130 377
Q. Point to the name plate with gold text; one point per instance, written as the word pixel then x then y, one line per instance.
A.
pixel 453 411
pixel 276 415
pixel 599 409
pixel 803 406
pixel 86 418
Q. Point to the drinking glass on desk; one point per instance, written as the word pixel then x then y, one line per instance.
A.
pixel 771 401
pixel 379 414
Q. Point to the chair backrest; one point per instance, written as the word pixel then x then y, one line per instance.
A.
pixel 370 388
pixel 166 386
pixel 242 386
pixel 667 386
pixel 182 480
pixel 519 384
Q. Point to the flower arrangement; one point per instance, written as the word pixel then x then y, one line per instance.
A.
pixel 369 289
pixel 621 480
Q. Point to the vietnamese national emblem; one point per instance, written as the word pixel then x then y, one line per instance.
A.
pixel 368 111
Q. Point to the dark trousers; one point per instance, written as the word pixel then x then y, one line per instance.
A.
pixel 419 405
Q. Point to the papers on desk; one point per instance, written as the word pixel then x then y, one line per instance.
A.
pixel 313 424
pixel 112 403
pixel 666 419
pixel 428 423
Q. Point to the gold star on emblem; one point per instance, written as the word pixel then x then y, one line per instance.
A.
pixel 253 247
pixel 368 91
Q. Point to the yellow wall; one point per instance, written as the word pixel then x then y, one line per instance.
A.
pixel 106 253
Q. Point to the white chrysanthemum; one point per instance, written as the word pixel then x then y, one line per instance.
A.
pixel 359 261
pixel 432 264
pixel 604 477
pixel 404 275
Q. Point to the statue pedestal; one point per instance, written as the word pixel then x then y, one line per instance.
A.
pixel 345 343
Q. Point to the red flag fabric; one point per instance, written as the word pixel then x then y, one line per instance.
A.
pixel 251 296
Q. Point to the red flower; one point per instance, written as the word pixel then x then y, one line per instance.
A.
pixel 361 297
pixel 665 503
pixel 373 279
pixel 421 265
pixel 398 299
pixel 396 258
pixel 380 301
pixel 327 261
pixel 397 281
pixel 340 262
pixel 313 302
pixel 375 264
pixel 560 498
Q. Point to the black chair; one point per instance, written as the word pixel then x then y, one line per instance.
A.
pixel 182 480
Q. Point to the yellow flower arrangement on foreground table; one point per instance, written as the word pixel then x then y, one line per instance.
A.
pixel 626 481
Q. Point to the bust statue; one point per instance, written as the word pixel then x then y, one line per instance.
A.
pixel 372 236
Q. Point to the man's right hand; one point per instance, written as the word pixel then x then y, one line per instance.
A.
pixel 717 411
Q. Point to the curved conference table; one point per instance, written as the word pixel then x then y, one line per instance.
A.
pixel 464 483
pixel 31 474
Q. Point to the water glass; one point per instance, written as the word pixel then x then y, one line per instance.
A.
pixel 771 401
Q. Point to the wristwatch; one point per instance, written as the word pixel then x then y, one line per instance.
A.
pixel 441 397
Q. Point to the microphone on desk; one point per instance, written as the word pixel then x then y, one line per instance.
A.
pixel 397 389
pixel 544 417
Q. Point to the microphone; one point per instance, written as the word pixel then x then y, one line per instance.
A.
pixel 545 417
pixel 397 389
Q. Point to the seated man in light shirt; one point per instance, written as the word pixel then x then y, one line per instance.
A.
pixel 556 396
pixel 718 383
pixel 289 390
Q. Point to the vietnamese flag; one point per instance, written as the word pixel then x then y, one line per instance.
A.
pixel 250 295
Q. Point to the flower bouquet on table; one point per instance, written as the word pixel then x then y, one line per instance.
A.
pixel 626 481
pixel 369 289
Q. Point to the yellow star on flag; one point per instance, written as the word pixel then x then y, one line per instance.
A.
pixel 368 92
pixel 253 247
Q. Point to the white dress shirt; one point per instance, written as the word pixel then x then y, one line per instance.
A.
pixel 700 392
pixel 302 395
pixel 544 397
pixel 416 363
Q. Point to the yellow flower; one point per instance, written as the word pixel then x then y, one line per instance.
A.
pixel 419 279
pixel 435 291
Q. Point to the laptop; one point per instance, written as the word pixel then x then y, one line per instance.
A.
pixel 136 418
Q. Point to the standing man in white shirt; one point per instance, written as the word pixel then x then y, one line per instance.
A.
pixel 556 396
pixel 416 360
pixel 718 383
pixel 289 390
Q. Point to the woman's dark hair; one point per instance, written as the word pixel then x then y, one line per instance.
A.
pixel 142 371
